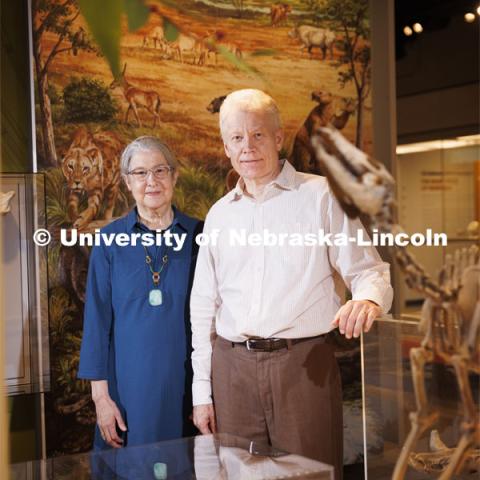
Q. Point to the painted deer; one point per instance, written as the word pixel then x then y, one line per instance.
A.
pixel 214 42
pixel 278 13
pixel 451 312
pixel 157 37
pixel 136 98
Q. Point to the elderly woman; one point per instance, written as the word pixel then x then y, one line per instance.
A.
pixel 136 339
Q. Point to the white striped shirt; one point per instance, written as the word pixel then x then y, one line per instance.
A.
pixel 276 291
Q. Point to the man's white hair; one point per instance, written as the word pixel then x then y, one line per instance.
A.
pixel 248 100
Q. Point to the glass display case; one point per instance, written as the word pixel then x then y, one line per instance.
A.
pixel 205 457
pixel 24 270
pixel 438 188
pixel 388 399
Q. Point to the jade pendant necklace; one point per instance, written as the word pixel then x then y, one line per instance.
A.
pixel 155 297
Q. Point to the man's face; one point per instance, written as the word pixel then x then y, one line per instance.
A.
pixel 252 145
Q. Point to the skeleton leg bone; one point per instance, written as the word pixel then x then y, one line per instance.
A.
pixel 421 419
pixel 470 421
pixel 457 458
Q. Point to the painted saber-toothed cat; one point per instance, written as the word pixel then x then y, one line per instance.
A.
pixel 91 166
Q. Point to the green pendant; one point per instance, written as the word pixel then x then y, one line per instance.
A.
pixel 155 297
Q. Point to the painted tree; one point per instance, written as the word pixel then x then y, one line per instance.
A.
pixel 317 9
pixel 352 15
pixel 58 18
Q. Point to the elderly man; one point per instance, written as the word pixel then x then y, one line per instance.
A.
pixel 260 314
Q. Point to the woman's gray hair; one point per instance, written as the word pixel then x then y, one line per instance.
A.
pixel 146 143
pixel 249 100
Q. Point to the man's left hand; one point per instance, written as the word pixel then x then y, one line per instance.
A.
pixel 355 316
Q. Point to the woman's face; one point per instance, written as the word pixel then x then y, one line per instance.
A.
pixel 154 191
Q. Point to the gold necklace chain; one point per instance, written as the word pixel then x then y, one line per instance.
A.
pixel 155 275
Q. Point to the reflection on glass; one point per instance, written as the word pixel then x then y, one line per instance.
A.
pixel 205 457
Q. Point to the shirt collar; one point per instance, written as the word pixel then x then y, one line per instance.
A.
pixel 179 219
pixel 284 180
pixel 131 219
pixel 286 177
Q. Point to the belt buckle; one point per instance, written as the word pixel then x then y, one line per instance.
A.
pixel 250 344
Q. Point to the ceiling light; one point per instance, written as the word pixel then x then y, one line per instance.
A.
pixel 407 31
pixel 417 27
pixel 478 10
pixel 469 17
pixel 465 141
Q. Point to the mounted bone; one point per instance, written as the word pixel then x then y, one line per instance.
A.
pixel 360 183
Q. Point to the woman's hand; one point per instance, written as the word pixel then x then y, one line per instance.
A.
pixel 108 414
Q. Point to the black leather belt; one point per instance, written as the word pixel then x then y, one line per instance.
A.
pixel 271 344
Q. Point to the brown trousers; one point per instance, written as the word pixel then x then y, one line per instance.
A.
pixel 289 398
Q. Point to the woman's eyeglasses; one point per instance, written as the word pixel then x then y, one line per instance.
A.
pixel 159 172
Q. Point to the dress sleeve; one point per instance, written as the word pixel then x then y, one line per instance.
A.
pixel 97 319
pixel 362 269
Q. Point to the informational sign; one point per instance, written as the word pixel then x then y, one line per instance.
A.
pixel 437 190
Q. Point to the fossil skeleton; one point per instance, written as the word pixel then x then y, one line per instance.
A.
pixel 437 460
pixel 450 320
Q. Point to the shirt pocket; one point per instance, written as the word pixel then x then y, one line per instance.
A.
pixel 132 283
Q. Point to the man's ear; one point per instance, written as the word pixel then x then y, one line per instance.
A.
pixel 227 152
pixel 279 137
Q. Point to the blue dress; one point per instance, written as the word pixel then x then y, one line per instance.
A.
pixel 143 351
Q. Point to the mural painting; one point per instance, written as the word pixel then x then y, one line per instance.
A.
pixel 313 57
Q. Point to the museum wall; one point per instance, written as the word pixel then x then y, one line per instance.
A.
pixel 16 157
pixel 15 88
pixel 438 185
pixel 437 75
